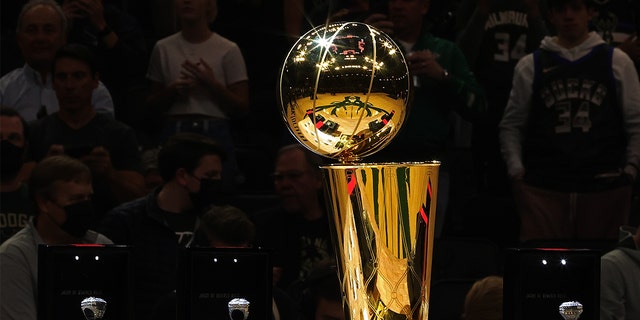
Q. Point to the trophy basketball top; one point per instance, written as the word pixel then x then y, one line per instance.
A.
pixel 344 90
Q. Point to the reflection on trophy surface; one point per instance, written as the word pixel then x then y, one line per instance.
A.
pixel 93 308
pixel 571 310
pixel 383 224
pixel 239 309
pixel 344 90
pixel 344 94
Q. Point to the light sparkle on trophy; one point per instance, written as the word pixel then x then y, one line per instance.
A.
pixel 345 90
pixel 344 93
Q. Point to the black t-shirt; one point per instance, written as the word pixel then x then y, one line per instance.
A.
pixel 297 244
pixel 118 138
pixel 184 225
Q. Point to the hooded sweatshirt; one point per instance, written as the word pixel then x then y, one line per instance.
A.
pixel 620 280
pixel 513 126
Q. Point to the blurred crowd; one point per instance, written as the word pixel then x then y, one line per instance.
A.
pixel 157 111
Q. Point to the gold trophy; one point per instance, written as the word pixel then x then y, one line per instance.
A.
pixel 344 92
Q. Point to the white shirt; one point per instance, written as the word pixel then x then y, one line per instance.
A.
pixel 23 90
pixel 19 272
pixel 517 110
pixel 222 55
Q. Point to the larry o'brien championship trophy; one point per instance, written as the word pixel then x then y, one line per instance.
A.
pixel 344 93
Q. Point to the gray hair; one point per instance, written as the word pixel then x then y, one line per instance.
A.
pixel 33 3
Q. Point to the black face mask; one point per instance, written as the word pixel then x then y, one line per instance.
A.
pixel 211 193
pixel 79 218
pixel 11 161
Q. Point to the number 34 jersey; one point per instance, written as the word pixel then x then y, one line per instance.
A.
pixel 576 124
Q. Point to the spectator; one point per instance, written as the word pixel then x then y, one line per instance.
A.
pixel 60 188
pixel 199 81
pixel 493 46
pixel 228 227
pixel 152 176
pixel 619 272
pixel 107 146
pixel 443 87
pixel 41 31
pixel 15 207
pixel 618 23
pixel 570 133
pixel 484 299
pixel 118 43
pixel 257 27
pixel 158 225
pixel 304 15
pixel 298 229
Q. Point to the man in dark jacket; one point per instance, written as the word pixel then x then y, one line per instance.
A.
pixel 159 225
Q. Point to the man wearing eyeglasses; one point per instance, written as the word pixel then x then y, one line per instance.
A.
pixel 298 229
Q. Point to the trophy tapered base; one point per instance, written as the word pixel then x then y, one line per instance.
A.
pixel 382 217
